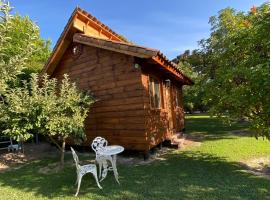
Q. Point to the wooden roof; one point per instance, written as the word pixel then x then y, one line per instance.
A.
pixel 86 29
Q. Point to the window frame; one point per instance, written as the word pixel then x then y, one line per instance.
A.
pixel 152 87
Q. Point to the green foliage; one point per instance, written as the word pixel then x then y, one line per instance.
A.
pixel 26 107
pixel 64 109
pixel 193 65
pixel 232 68
pixel 238 82
pixel 19 116
pixel 46 107
pixel 21 48
pixel 19 32
pixel 50 109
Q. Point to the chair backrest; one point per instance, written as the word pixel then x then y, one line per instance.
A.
pixel 98 144
pixel 75 157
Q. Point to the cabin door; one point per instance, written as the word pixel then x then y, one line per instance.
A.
pixel 169 106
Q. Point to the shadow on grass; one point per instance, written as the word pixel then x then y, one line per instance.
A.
pixel 205 128
pixel 182 175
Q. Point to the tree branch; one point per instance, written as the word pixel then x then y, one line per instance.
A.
pixel 55 142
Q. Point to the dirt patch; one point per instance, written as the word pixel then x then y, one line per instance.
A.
pixel 136 159
pixel 242 132
pixel 54 168
pixel 258 166
pixel 188 142
pixel 198 137
pixel 32 152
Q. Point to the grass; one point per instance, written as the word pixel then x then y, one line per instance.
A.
pixel 223 141
pixel 210 171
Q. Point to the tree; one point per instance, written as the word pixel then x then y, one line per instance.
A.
pixel 56 110
pixel 64 110
pixel 232 68
pixel 21 28
pixel 21 48
pixel 22 52
pixel 193 64
pixel 238 83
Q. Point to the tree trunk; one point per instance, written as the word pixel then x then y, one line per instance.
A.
pixel 62 161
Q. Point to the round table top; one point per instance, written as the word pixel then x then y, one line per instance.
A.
pixel 112 150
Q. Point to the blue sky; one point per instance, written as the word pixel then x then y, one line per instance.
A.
pixel 169 25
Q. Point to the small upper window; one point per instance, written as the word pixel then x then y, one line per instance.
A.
pixel 178 96
pixel 154 89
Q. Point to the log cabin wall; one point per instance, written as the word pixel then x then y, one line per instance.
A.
pixel 157 120
pixel 178 109
pixel 118 115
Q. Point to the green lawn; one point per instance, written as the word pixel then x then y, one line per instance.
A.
pixel 210 171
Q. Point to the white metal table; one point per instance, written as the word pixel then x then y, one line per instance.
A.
pixel 110 151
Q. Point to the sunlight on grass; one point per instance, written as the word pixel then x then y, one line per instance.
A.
pixel 221 140
pixel 210 171
pixel 236 148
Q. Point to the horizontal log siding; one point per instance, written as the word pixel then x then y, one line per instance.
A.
pixel 179 111
pixel 157 122
pixel 118 115
pixel 156 119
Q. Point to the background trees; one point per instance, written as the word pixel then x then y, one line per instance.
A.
pixel 236 74
pixel 21 48
pixel 193 64
pixel 240 81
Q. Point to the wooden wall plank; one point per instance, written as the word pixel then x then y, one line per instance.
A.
pixel 119 113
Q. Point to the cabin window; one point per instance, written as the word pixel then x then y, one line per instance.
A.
pixel 154 89
pixel 178 95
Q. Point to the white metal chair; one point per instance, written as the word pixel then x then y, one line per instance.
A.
pixel 82 170
pixel 98 145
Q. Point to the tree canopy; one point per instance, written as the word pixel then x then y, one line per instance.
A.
pixel 22 51
pixel 235 71
pixel 193 64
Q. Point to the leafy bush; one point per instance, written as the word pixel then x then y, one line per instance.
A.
pixel 56 110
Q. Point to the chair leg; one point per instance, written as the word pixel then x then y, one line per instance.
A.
pixel 113 161
pixel 105 170
pixel 96 178
pixel 100 168
pixel 79 184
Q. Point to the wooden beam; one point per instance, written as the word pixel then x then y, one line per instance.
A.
pixel 112 49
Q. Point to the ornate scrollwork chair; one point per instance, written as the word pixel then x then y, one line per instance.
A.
pixel 82 170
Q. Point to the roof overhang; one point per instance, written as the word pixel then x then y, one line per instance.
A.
pixel 120 47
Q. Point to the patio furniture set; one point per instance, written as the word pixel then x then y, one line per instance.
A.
pixel 105 158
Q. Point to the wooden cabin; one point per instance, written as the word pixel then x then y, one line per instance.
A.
pixel 138 90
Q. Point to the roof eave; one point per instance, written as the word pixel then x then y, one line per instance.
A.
pixel 168 65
